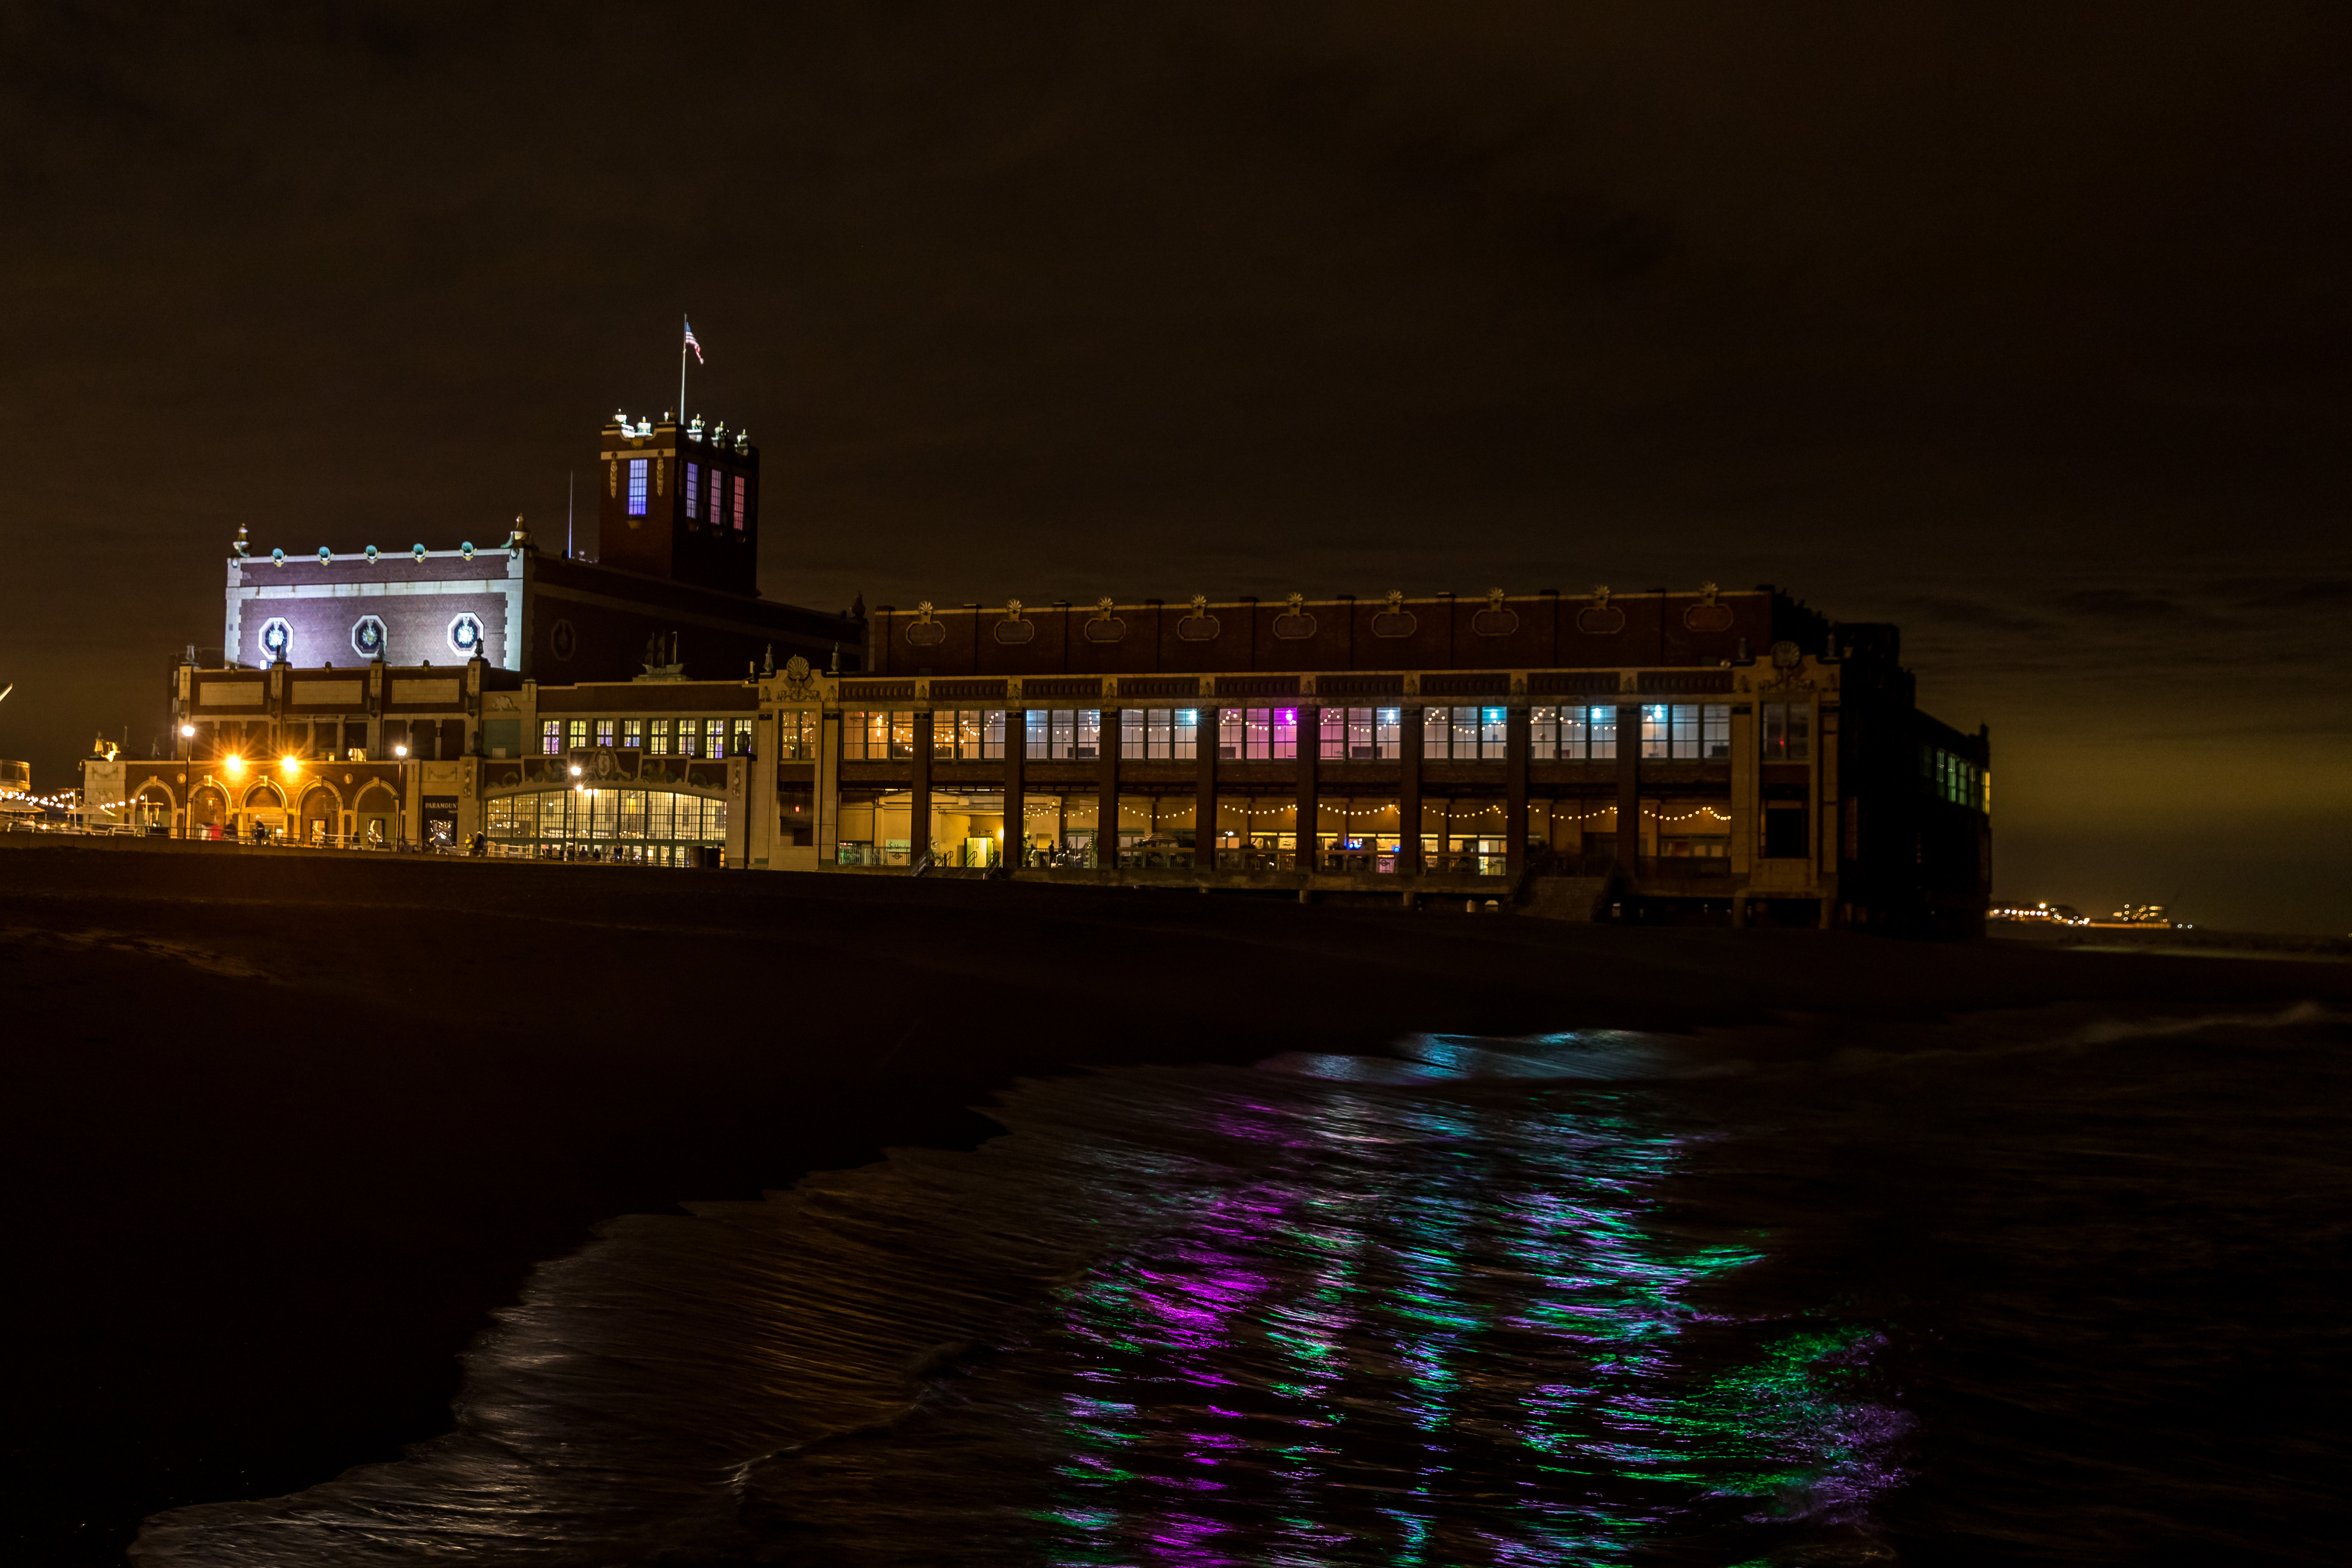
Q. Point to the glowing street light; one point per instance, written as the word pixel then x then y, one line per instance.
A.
pixel 233 765
pixel 188 731
pixel 575 769
pixel 290 764
pixel 399 751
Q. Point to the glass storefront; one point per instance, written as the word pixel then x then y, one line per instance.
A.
pixel 645 827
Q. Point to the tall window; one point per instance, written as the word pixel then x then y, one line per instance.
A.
pixel 693 488
pixel 878 735
pixel 742 489
pixel 1229 733
pixel 968 734
pixel 575 733
pixel 1465 734
pixel 1587 733
pixel 1686 731
pixel 1788 732
pixel 686 738
pixel 714 737
pixel 796 735
pixel 715 483
pixel 605 729
pixel 1066 734
pixel 633 734
pixel 551 738
pixel 738 737
pixel 1267 734
pixel 660 746
pixel 637 487
pixel 1160 735
pixel 1362 734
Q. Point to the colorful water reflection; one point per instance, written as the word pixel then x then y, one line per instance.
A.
pixel 1440 1328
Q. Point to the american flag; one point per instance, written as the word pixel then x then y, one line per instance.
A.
pixel 692 344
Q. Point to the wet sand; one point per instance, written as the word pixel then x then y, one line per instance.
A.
pixel 283 1128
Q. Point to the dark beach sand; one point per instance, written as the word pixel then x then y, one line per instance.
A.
pixel 282 1129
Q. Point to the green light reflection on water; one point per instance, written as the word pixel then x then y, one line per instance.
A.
pixel 1434 1332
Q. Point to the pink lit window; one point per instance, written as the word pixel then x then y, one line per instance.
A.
pixel 740 488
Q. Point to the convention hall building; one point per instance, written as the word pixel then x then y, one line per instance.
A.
pixel 1709 755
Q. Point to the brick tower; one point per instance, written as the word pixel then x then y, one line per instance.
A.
pixel 680 503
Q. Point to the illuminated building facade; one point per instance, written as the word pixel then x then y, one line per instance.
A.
pixel 1708 755
pixel 678 512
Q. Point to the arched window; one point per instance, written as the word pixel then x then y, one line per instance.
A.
pixel 648 826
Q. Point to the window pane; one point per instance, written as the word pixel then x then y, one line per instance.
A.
pixel 686 738
pixel 1801 727
pixel 633 734
pixel 992 734
pixel 1543 733
pixel 902 735
pixel 551 737
pixel 1257 731
pixel 1436 731
pixel 742 490
pixel 637 487
pixel 1605 732
pixel 1466 734
pixel 1286 734
pixel 1130 733
pixel 1331 735
pixel 1229 732
pixel 575 733
pixel 1494 733
pixel 1388 734
pixel 1035 733
pixel 1774 731
pixel 693 483
pixel 1656 729
pixel 1183 735
pixel 714 737
pixel 1714 732
pixel 943 735
pixel 604 731
pixel 1089 734
pixel 1686 730
pixel 738 737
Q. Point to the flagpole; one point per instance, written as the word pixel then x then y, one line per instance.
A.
pixel 681 372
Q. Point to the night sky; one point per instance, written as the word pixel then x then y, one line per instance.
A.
pixel 2024 326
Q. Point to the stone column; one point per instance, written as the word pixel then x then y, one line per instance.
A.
pixel 1107 791
pixel 1515 792
pixel 1204 800
pixel 918 812
pixel 825 801
pixel 1310 751
pixel 1409 737
pixel 1017 800
pixel 1629 787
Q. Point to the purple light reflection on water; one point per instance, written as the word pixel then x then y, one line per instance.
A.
pixel 1410 1277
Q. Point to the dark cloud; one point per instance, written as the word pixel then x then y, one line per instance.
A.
pixel 2021 326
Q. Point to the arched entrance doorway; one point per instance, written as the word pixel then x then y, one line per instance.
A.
pixel 321 816
pixel 207 812
pixel 153 809
pixel 376 818
pixel 265 812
